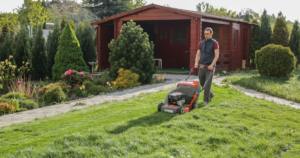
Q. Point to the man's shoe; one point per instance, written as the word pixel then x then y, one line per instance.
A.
pixel 210 98
pixel 205 103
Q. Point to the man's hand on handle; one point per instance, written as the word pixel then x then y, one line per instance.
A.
pixel 210 67
pixel 196 66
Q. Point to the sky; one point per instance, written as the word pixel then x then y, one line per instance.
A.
pixel 288 7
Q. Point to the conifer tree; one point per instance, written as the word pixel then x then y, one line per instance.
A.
pixel 254 42
pixel 22 53
pixel 280 34
pixel 132 50
pixel 295 39
pixel 87 45
pixel 53 45
pixel 6 49
pixel 265 30
pixel 71 22
pixel 69 55
pixel 38 57
pixel 63 22
pixel 247 17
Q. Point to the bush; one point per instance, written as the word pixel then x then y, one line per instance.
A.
pixel 65 87
pixel 54 94
pixel 126 79
pixel 7 108
pixel 88 84
pixel 99 81
pixel 13 95
pixel 96 90
pixel 275 60
pixel 75 78
pixel 132 50
pixel 69 55
pixel 28 104
pixel 76 91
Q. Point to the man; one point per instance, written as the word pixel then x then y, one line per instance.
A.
pixel 207 54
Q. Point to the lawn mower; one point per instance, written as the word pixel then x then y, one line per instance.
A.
pixel 183 98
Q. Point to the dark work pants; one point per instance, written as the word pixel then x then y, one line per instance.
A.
pixel 203 76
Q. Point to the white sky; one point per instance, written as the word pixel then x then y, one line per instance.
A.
pixel 289 8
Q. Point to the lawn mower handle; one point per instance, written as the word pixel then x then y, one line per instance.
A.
pixel 190 73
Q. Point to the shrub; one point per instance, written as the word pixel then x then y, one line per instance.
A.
pixel 96 90
pixel 132 50
pixel 99 81
pixel 14 95
pixel 75 78
pixel 65 87
pixel 88 84
pixel 28 104
pixel 76 91
pixel 54 94
pixel 69 55
pixel 275 60
pixel 126 79
pixel 7 108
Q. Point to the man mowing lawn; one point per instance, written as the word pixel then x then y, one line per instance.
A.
pixel 207 56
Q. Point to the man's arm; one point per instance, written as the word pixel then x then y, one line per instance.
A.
pixel 211 66
pixel 197 58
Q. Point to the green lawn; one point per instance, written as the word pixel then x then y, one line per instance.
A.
pixel 233 125
pixel 288 88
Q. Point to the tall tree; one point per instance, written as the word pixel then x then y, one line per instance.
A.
pixel 6 49
pixel 53 45
pixel 38 56
pixel 71 22
pixel 87 45
pixel 78 33
pixel 295 40
pixel 265 30
pixel 132 4
pixel 22 53
pixel 106 8
pixel 23 12
pixel 280 33
pixel 254 42
pixel 69 55
pixel 37 14
pixel 247 17
pixel 63 22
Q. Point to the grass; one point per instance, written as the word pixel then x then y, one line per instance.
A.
pixel 233 125
pixel 287 88
pixel 173 70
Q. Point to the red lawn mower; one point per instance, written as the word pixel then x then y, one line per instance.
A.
pixel 183 98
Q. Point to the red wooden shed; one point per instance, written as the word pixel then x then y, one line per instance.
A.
pixel 176 33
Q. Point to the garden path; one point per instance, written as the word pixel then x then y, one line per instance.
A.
pixel 117 96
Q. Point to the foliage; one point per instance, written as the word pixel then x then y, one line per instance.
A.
pixel 88 84
pixel 53 13
pixel 132 50
pixel 295 39
pixel 285 87
pixel 71 22
pixel 63 22
pixel 53 45
pixel 7 72
pixel 133 4
pixel 99 81
pixel 280 34
pixel 6 49
pixel 126 79
pixel 69 55
pixel 75 78
pixel 22 53
pixel 106 8
pixel 14 95
pixel 80 103
pixel 64 86
pixel 23 12
pixel 96 90
pixel 7 108
pixel 76 91
pixel 208 8
pixel 37 15
pixel 87 45
pixel 275 60
pixel 247 17
pixel 54 94
pixel 254 42
pixel 265 30
pixel 10 22
pixel 38 57
pixel 229 127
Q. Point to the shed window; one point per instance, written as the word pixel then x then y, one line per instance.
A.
pixel 235 37
pixel 163 35
pixel 178 36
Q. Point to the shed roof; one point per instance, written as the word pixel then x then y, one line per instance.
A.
pixel 176 10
